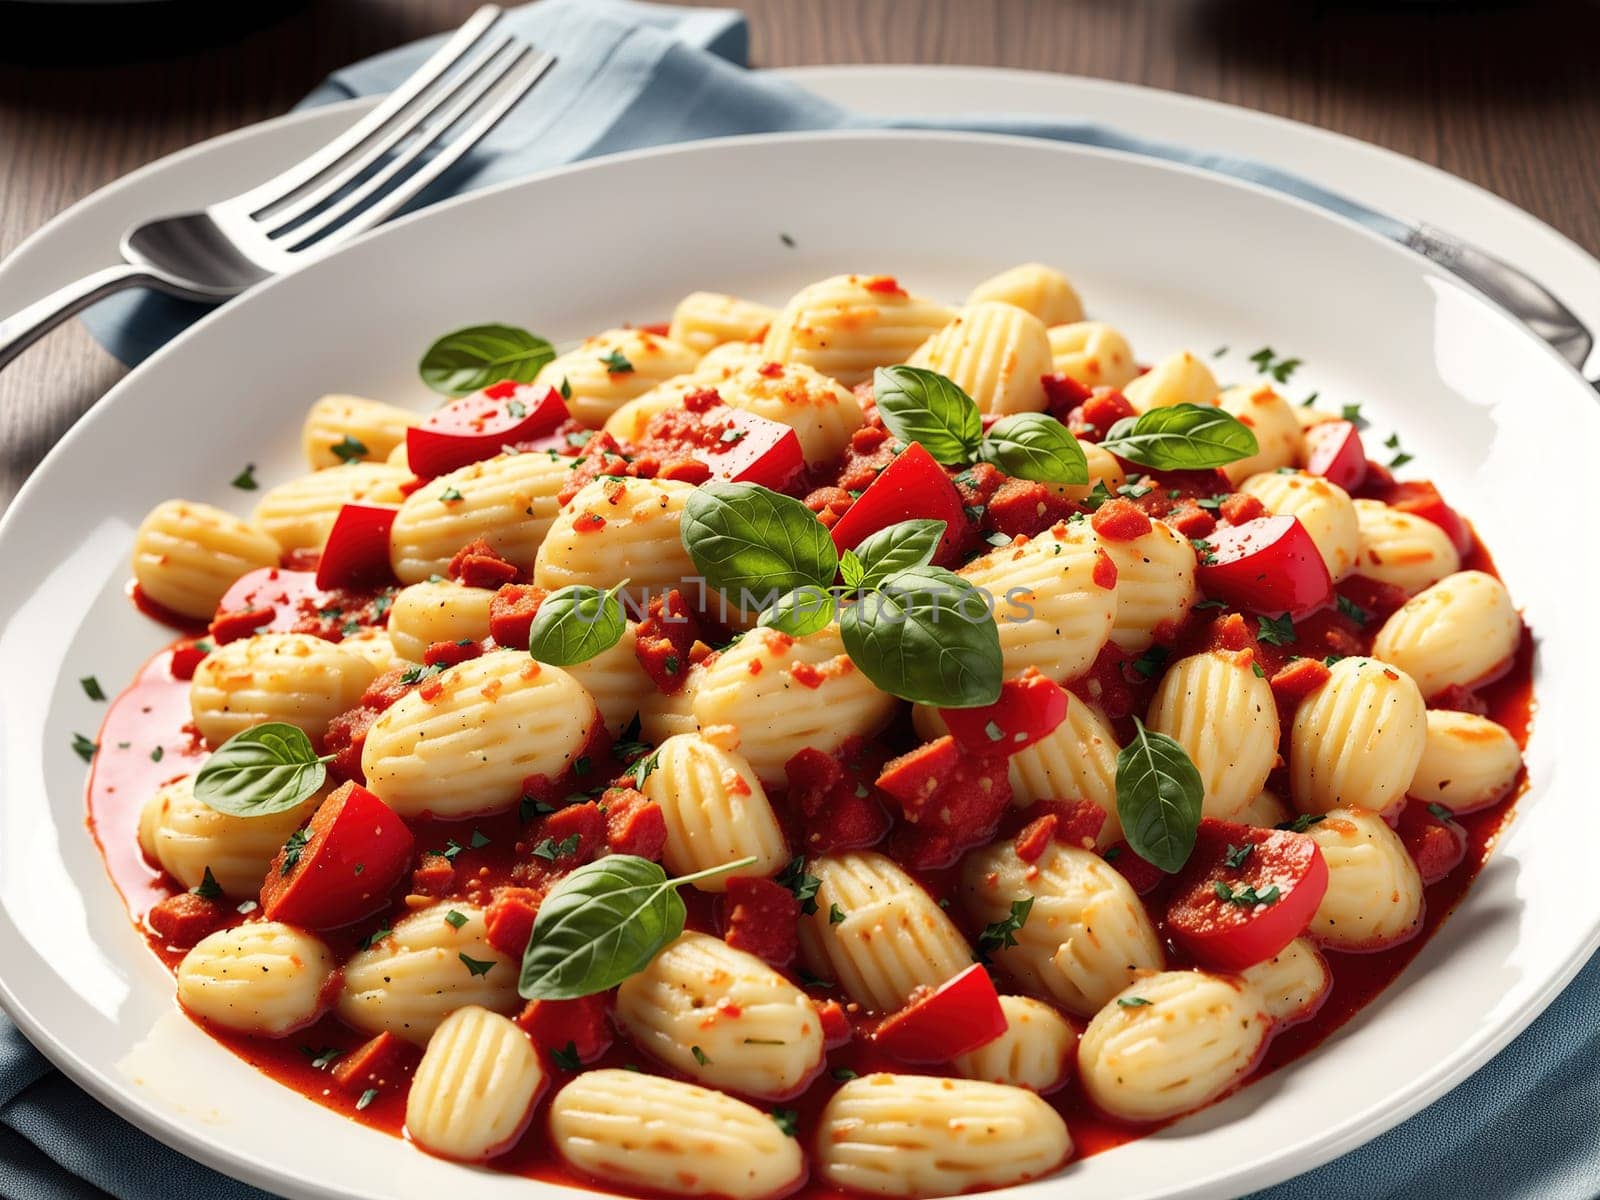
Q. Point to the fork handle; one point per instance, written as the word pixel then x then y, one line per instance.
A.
pixel 26 326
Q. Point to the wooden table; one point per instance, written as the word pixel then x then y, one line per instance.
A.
pixel 1504 94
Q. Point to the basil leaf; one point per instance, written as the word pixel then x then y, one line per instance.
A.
pixel 928 636
pixel 469 360
pixel 576 623
pixel 260 771
pixel 923 406
pixel 900 547
pixel 851 569
pixel 1034 446
pixel 603 923
pixel 805 610
pixel 1181 437
pixel 1159 798
pixel 743 536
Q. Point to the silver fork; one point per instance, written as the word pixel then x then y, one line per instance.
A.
pixel 357 180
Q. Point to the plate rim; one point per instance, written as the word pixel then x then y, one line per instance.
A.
pixel 1276 1167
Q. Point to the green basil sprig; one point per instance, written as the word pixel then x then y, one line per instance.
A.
pixel 260 771
pixel 1159 798
pixel 576 623
pixel 745 536
pixel 928 636
pixel 898 548
pixel 806 609
pixel 1182 437
pixel 603 923
pixel 918 405
pixel 468 360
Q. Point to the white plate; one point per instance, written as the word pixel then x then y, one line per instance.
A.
pixel 1176 257
pixel 83 237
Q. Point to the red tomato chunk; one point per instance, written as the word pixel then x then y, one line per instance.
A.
pixel 762 919
pixel 1029 708
pixel 184 919
pixel 342 866
pixel 579 1024
pixel 379 1063
pixel 476 427
pixel 942 1023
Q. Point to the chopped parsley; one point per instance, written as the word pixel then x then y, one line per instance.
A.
pixel 454 919
pixel 1259 673
pixel 1301 823
pixel 293 849
pixel 566 393
pixel 1440 812
pixel 451 495
pixel 367 1097
pixel 347 449
pixel 324 1058
pixel 516 408
pixel 451 849
pixel 245 480
pixel 1132 1002
pixel 1000 934
pixel 803 886
pixel 91 687
pixel 208 888
pixel 1204 604
pixel 642 768
pixel 787 1121
pixel 474 965
pixel 1236 855
pixel 1204 551
pixel 418 674
pixel 1352 413
pixel 532 807
pixel 700 1056
pixel 376 936
pixel 550 849
pixel 567 1057
pixel 1401 458
pixel 1349 608
pixel 807 979
pixel 1097 496
pixel 786 240
pixel 83 747
pixel 157 754
pixel 1219 352
pixel 1247 896
pixel 1148 665
pixel 1275 631
pixel 844 1074
pixel 478 841
pixel 616 363
pixel 836 915
pixel 1267 362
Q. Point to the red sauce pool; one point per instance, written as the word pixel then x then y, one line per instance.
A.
pixel 146 741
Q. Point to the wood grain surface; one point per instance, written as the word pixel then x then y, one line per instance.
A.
pixel 1506 95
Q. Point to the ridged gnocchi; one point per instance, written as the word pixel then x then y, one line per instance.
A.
pixel 613 367
pixel 299 514
pixel 660 1135
pixel 783 694
pixel 509 501
pixel 615 681
pixel 724 1018
pixel 893 938
pixel 437 611
pixel 1055 599
pixel 1170 1043
pixel 186 555
pixel 1086 934
pixel 1278 438
pixel 290 677
pixel 1323 508
pixel 364 430
pixel 616 529
pixel 1092 353
pixel 704 320
pixel 1035 288
pixel 1457 633
pixel 917 1135
pixel 187 839
pixel 1292 983
pixel 463 745
pixel 1078 758
pixel 1401 548
pixel 433 962
pixel 1180 379
pixel 1036 1051
pixel 1104 470
pixel 663 714
pixel 474 1090
pixel 715 809
pixel 1467 762
pixel 1374 896
pixel 1155 584
pixel 849 325
pixel 994 352
pixel 1357 739
pixel 822 412
pixel 261 977
pixel 1222 713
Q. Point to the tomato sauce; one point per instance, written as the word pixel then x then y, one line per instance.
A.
pixel 147 740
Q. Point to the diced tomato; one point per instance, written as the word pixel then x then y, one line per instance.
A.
pixel 1241 507
pixel 835 1023
pixel 1142 875
pixel 634 825
pixel 1029 708
pixel 480 565
pixel 912 486
pixel 186 656
pixel 1422 499
pixel 449 654
pixel 838 806
pixel 762 918
pixel 231 626
pixel 508 921
pixel 1062 394
pixel 945 1022
pixel 346 738
pixel 1103 409
pixel 1268 565
pixel 1191 520
pixel 357 550
pixel 1298 680
pixel 1072 822
pixel 434 876
pixel 1245 894
pixel 511 613
pixel 753 449
pixel 914 776
pixel 184 919
pixel 558 1024
pixel 379 1062
pixel 584 821
pixel 664 641
pixel 1333 451
pixel 475 427
pixel 1437 842
pixel 355 851
pixel 1119 520
pixel 962 810
pixel 1023 508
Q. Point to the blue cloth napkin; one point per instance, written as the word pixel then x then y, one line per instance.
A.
pixel 632 75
